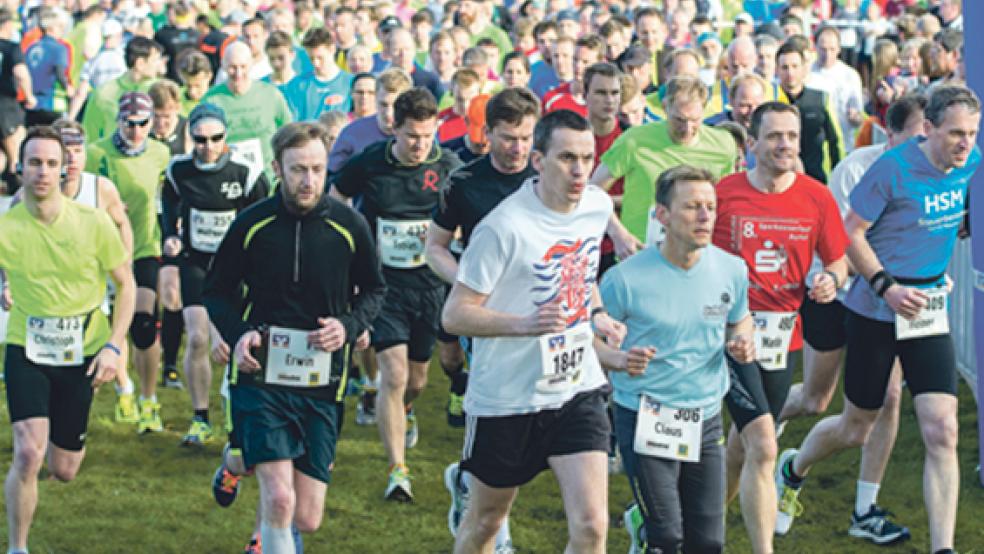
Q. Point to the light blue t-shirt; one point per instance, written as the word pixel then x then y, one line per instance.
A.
pixel 309 97
pixel 916 211
pixel 683 314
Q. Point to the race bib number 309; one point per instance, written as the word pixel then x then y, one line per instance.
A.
pixel 932 320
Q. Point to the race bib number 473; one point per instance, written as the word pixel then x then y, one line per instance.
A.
pixel 55 341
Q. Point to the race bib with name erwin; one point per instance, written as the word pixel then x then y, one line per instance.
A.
pixel 292 362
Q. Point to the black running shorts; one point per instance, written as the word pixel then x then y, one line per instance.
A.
pixel 755 392
pixel 928 363
pixel 275 424
pixel 509 451
pixel 61 394
pixel 145 272
pixel 410 317
pixel 824 324
pixel 193 267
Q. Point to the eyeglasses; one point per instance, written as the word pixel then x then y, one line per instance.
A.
pixel 199 139
pixel 131 123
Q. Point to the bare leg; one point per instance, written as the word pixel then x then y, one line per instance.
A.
pixel 937 413
pixel 758 489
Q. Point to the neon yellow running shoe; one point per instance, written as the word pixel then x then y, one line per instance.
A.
pixel 198 434
pixel 126 409
pixel 150 417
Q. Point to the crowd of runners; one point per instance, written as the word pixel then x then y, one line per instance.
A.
pixel 617 226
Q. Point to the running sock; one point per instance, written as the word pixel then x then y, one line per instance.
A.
pixel 276 540
pixel 790 476
pixel 370 385
pixel 202 415
pixel 125 389
pixel 172 325
pixel 866 497
pixel 940 551
pixel 151 399
pixel 459 380
pixel 502 537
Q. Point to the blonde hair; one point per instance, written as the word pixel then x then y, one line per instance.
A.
pixel 392 80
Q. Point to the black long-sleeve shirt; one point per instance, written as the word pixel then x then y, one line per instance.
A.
pixel 819 129
pixel 277 268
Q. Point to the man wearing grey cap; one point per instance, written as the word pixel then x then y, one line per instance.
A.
pixel 135 164
pixel 205 189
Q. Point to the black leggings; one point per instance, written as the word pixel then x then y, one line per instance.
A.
pixel 755 391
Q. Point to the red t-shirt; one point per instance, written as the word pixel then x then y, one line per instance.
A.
pixel 566 102
pixel 602 144
pixel 563 88
pixel 776 235
pixel 451 126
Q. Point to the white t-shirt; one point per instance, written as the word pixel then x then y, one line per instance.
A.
pixel 843 84
pixel 522 255
pixel 842 181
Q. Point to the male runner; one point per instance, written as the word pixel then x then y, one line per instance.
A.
pixel 400 182
pixel 824 338
pixel 775 219
pixel 525 290
pixel 913 195
pixel 685 303
pixel 300 255
pixel 206 190
pixel 60 345
pixel 135 164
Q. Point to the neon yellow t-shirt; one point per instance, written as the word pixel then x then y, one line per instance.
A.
pixel 641 153
pixel 59 270
pixel 138 179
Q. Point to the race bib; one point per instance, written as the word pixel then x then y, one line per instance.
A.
pixel 655 233
pixel 932 320
pixel 773 333
pixel 667 432
pixel 291 362
pixel 55 341
pixel 249 152
pixel 562 359
pixel 401 243
pixel 208 228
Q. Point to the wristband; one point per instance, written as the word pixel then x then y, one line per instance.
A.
pixel 877 279
pixel 113 347
pixel 833 276
pixel 887 283
pixel 596 311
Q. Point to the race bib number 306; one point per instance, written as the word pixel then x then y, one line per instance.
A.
pixel 292 362
pixel 55 341
pixel 667 432
pixel 773 334
pixel 932 320
pixel 562 359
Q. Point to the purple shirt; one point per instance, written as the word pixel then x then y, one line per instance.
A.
pixel 354 138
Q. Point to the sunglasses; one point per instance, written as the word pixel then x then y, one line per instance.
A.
pixel 131 123
pixel 199 139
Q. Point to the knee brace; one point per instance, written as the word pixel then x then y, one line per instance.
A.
pixel 143 330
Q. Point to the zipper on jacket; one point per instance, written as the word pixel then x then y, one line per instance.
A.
pixel 297 252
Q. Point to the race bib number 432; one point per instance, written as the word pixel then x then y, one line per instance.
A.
pixel 55 341
pixel 401 243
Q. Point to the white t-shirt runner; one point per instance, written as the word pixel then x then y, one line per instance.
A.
pixel 523 255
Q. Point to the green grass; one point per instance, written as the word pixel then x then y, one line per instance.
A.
pixel 145 494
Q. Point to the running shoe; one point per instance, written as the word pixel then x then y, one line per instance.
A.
pixel 365 409
pixel 459 496
pixel 255 545
pixel 126 408
pixel 876 527
pixel 225 486
pixel 150 417
pixel 788 495
pixel 456 410
pixel 635 528
pixel 504 548
pixel 198 434
pixel 171 378
pixel 413 433
pixel 398 488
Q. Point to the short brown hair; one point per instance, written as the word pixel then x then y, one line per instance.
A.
pixel 684 87
pixel 603 69
pixel 42 132
pixel 947 96
pixel 318 36
pixel 766 108
pixel 668 180
pixel 510 106
pixel 296 135
pixel 191 63
pixel 165 92
pixel 417 104
pixel 465 77
pixel 278 39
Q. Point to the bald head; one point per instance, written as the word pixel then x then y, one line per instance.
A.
pixel 237 61
pixel 742 56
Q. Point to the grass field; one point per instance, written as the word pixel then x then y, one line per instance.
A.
pixel 146 494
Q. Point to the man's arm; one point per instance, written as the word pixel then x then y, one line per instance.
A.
pixel 831 128
pixel 110 199
pixel 602 177
pixel 437 252
pixel 22 77
pixel 465 314
pixel 222 293
pixel 367 277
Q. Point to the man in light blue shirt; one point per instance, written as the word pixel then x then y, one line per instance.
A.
pixel 685 304
pixel 324 89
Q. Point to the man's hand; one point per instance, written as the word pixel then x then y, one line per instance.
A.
pixel 547 319
pixel 905 301
pixel 220 349
pixel 245 361
pixel 172 246
pixel 30 101
pixel 612 331
pixel 330 337
pixel 626 244
pixel 741 348
pixel 104 367
pixel 824 289
pixel 637 359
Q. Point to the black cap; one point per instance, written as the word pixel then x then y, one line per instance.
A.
pixel 389 23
